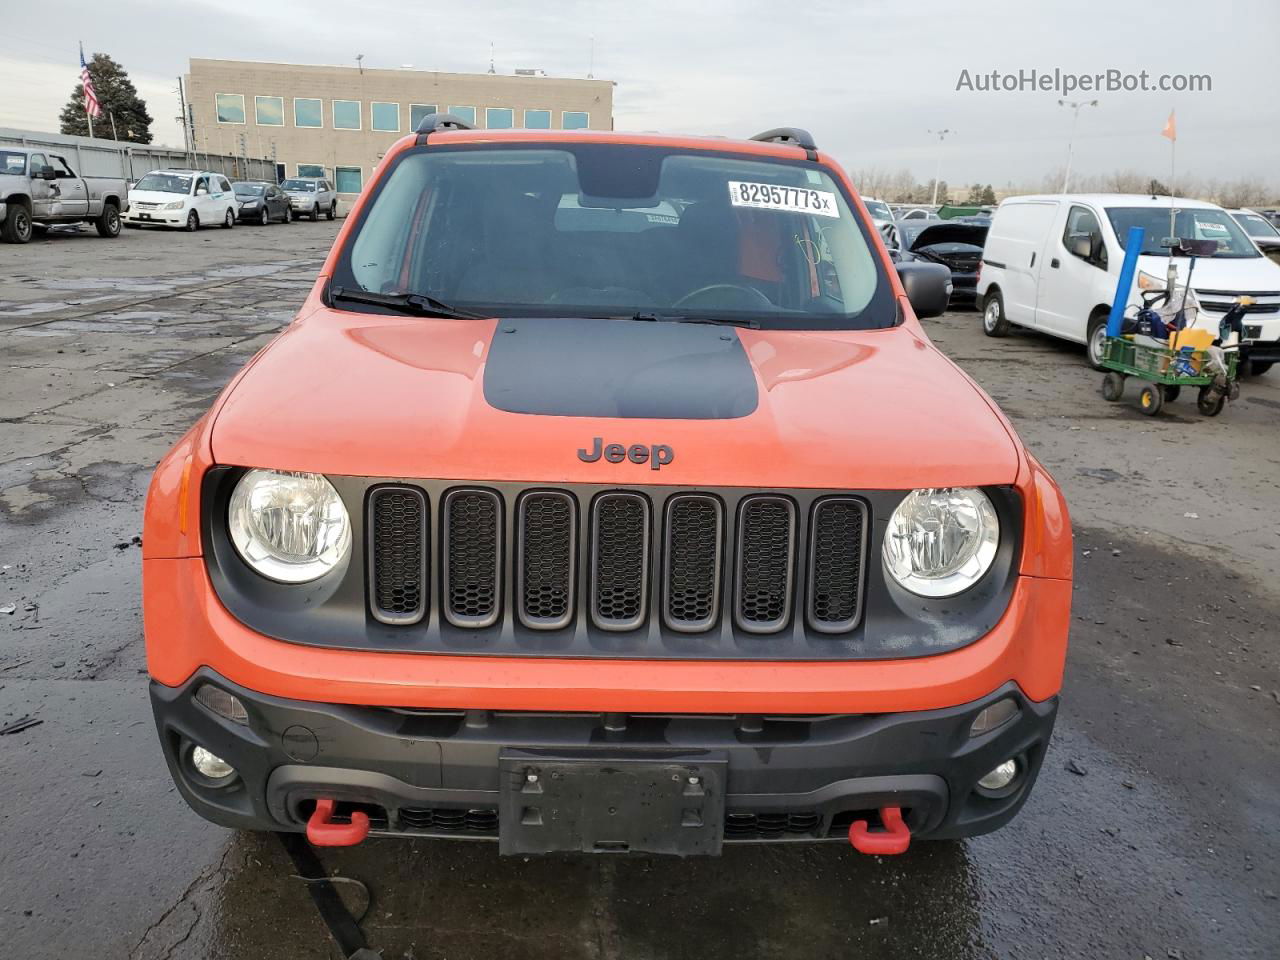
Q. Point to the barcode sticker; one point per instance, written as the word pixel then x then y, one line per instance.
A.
pixel 768 196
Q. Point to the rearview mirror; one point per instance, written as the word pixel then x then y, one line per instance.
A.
pixel 928 287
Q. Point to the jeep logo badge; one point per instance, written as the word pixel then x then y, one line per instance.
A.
pixel 657 456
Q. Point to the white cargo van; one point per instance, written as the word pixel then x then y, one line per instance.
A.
pixel 1051 263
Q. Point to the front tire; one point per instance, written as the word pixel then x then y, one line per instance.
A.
pixel 1210 401
pixel 229 220
pixel 315 213
pixel 1113 386
pixel 1097 334
pixel 1151 399
pixel 994 322
pixel 1253 368
pixel 108 222
pixel 265 218
pixel 17 225
pixel 193 222
pixel 332 212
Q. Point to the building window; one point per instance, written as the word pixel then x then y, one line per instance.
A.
pixel 311 169
pixel 385 117
pixel 419 112
pixel 574 120
pixel 346 114
pixel 499 118
pixel 466 114
pixel 348 179
pixel 230 107
pixel 307 112
pixel 268 111
pixel 537 119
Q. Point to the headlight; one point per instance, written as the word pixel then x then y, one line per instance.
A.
pixel 176 205
pixel 941 541
pixel 248 204
pixel 291 527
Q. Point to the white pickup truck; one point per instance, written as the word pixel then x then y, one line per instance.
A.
pixel 38 188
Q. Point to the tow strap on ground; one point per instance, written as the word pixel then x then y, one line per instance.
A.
pixel 343 927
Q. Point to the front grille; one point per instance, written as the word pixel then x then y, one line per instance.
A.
pixel 472 557
pixel 716 565
pixel 545 548
pixel 692 549
pixel 769 826
pixel 1218 306
pixel 398 554
pixel 479 821
pixel 765 567
pixel 836 541
pixel 619 560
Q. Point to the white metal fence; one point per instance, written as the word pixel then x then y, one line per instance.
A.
pixel 95 157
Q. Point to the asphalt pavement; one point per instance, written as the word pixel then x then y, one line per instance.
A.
pixel 1154 830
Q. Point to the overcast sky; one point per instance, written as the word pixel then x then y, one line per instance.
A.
pixel 868 79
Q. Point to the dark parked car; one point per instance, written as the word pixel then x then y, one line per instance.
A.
pixel 259 202
pixel 955 245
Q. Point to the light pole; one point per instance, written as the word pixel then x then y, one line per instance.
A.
pixel 1075 106
pixel 937 167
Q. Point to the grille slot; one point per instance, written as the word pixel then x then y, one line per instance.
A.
pixel 693 554
pixel 765 563
pixel 398 538
pixel 619 560
pixel 482 820
pixel 769 826
pixel 837 546
pixel 472 557
pixel 546 541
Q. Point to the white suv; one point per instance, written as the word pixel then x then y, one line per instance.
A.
pixel 187 199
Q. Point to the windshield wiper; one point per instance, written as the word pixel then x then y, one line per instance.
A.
pixel 417 304
pixel 688 318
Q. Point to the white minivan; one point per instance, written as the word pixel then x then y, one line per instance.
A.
pixel 1051 263
pixel 188 199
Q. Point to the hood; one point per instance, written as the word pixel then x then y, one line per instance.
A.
pixel 155 196
pixel 1244 275
pixel 388 396
pixel 946 232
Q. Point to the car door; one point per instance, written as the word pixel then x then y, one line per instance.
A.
pixel 278 203
pixel 203 203
pixel 1075 268
pixel 1014 246
pixel 44 193
pixel 73 194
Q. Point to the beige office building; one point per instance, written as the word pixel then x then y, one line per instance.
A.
pixel 337 122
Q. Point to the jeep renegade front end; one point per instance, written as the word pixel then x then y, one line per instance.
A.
pixel 607 495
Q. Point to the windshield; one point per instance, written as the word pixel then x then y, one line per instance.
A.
pixel 1256 225
pixel 301 186
pixel 596 230
pixel 165 183
pixel 878 209
pixel 12 162
pixel 248 189
pixel 1199 223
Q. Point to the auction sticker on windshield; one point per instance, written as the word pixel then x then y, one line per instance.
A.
pixel 769 196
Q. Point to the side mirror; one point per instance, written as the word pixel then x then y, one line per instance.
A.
pixel 201 191
pixel 45 173
pixel 1080 246
pixel 928 287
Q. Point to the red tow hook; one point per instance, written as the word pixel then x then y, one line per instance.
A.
pixel 895 838
pixel 323 832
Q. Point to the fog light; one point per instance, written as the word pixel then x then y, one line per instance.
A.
pixel 1000 777
pixel 222 703
pixel 211 765
pixel 993 716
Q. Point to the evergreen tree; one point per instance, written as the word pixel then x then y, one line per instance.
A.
pixel 988 196
pixel 119 100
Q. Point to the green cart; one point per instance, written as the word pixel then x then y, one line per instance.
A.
pixel 1158 368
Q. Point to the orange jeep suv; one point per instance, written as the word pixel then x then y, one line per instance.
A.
pixel 607 495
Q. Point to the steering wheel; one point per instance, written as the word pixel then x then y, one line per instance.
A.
pixel 738 297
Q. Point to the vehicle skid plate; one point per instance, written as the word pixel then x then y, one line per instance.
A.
pixel 611 803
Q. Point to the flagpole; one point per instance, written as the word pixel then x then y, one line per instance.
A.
pixel 1173 180
pixel 114 135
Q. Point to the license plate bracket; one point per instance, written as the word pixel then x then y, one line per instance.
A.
pixel 638 803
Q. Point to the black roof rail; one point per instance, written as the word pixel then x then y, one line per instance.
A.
pixel 435 122
pixel 792 137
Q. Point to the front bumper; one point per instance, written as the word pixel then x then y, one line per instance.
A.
pixel 162 218
pixel 437 772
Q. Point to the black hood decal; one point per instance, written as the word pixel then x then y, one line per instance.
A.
pixel 575 367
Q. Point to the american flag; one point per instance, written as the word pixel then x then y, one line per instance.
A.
pixel 91 105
